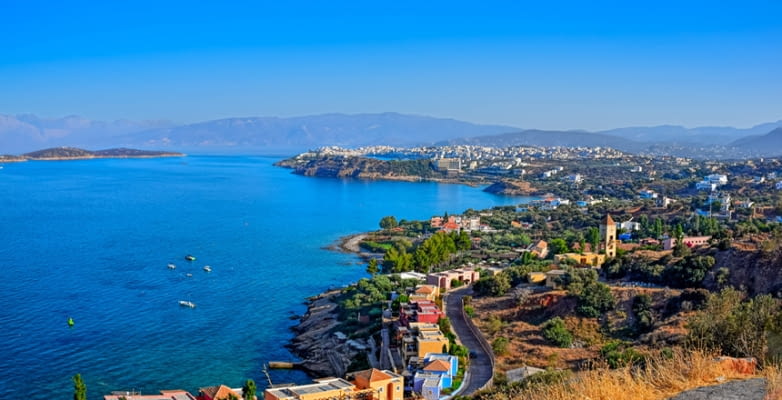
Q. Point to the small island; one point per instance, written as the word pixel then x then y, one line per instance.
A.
pixel 73 153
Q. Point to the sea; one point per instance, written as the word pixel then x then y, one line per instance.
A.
pixel 91 240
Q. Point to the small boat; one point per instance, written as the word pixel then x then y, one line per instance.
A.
pixel 171 266
pixel 70 322
pixel 189 258
pixel 188 275
pixel 185 303
pixel 207 268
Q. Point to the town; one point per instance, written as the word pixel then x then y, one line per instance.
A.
pixel 615 259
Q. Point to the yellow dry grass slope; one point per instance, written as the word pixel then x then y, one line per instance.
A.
pixel 661 378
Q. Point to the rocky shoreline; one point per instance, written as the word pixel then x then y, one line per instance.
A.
pixel 323 349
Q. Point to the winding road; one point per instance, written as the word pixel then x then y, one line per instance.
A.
pixel 480 372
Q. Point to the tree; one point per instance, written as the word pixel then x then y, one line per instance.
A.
pixel 594 238
pixel 79 388
pixel 595 299
pixel 248 390
pixel 464 242
pixel 558 246
pixel 372 267
pixel 642 308
pixel 555 331
pixel 736 326
pixel 496 285
pixel 388 222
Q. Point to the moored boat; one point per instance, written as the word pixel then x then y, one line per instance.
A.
pixel 207 268
pixel 185 303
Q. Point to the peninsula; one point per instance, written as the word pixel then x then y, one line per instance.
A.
pixel 73 153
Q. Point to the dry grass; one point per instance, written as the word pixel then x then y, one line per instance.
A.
pixel 661 378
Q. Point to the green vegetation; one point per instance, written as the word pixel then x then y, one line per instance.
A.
pixel 248 390
pixel 594 298
pixel 388 222
pixel 500 345
pixel 642 308
pixel 555 331
pixel 739 326
pixel 436 250
pixel 367 294
pixel 372 267
pixel 618 354
pixel 79 388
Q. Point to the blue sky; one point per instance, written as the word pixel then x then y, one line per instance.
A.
pixel 559 65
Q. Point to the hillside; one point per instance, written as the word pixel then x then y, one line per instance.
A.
pixel 769 144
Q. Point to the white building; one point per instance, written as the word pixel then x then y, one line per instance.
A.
pixel 718 179
pixel 706 185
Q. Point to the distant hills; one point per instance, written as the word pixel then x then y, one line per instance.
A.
pixel 769 144
pixel 23 133
pixel 313 131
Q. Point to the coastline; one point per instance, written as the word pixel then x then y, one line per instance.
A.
pixel 321 352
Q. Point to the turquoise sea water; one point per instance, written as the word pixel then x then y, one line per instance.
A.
pixel 91 240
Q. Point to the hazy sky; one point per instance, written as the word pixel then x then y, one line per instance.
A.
pixel 536 64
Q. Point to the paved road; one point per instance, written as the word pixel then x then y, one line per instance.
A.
pixel 480 372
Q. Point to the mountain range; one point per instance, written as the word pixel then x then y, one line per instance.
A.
pixel 23 133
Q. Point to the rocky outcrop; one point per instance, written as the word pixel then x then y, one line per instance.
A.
pixel 511 188
pixel 361 168
pixel 323 349
pixel 750 389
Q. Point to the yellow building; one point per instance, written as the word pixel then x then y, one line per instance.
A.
pixel 386 384
pixel 586 258
pixel 322 389
pixel 425 292
pixel 431 342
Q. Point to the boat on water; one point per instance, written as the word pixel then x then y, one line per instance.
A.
pixel 189 258
pixel 185 303
pixel 171 266
pixel 207 268
pixel 70 322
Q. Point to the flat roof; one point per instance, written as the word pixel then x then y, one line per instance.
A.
pixel 318 387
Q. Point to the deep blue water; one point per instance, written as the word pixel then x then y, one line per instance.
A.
pixel 91 240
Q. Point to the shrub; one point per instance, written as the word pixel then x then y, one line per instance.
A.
pixel 469 311
pixel 617 354
pixel 555 331
pixel 500 345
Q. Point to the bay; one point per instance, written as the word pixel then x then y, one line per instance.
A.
pixel 91 240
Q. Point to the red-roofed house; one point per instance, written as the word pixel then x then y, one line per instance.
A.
pixel 220 392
